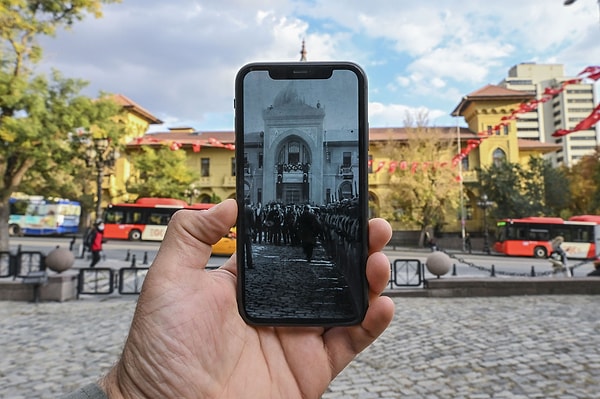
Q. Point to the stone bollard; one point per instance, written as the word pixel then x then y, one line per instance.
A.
pixel 60 259
pixel 438 263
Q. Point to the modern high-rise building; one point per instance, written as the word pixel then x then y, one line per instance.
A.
pixel 564 111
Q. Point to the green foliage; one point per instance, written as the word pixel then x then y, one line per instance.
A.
pixel 162 173
pixel 517 191
pixel 426 196
pixel 584 182
pixel 37 112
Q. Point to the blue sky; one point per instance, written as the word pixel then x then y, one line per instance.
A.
pixel 178 59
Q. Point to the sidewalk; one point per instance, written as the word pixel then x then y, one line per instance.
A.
pixel 473 348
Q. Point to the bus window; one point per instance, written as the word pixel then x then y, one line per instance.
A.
pixel 160 217
pixel 113 216
pixel 539 235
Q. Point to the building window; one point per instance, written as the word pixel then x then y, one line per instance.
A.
pixel 499 157
pixel 370 163
pixel 294 153
pixel 260 160
pixel 205 167
pixel 506 129
pixel 347 159
pixel 233 166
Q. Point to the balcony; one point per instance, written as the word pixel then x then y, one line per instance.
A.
pixel 292 173
pixel 229 181
pixel 346 172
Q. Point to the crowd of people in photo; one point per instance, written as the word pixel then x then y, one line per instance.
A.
pixel 335 226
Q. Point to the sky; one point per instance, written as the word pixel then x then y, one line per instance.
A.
pixel 178 59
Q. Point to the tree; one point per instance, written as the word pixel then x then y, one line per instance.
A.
pixel 584 180
pixel 162 172
pixel 423 190
pixel 535 190
pixel 36 113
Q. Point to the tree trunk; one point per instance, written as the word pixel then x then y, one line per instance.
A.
pixel 4 216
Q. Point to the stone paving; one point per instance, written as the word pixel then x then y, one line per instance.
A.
pixel 476 348
pixel 283 284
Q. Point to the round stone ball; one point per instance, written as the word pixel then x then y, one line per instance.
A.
pixel 60 259
pixel 438 263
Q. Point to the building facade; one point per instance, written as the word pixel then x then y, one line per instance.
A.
pixel 564 111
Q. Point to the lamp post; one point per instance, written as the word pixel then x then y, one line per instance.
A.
pixel 191 192
pixel 100 155
pixel 484 204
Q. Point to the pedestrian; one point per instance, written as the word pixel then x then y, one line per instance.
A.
pixel 309 230
pixel 188 340
pixel 249 219
pixel 430 241
pixel 95 240
pixel 556 244
pixel 596 271
pixel 468 246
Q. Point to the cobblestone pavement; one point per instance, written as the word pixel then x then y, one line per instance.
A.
pixel 506 347
pixel 282 284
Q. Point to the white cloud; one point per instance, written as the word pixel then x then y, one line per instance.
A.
pixel 179 59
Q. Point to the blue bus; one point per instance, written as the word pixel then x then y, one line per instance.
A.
pixel 35 215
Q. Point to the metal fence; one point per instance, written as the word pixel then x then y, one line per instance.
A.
pixel 406 273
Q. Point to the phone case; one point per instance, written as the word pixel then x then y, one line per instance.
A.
pixel 302 193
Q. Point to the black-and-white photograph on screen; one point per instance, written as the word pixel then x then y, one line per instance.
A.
pixel 304 249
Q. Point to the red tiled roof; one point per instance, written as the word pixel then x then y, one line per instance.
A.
pixel 128 103
pixel 220 138
pixel 492 92
pixel 400 133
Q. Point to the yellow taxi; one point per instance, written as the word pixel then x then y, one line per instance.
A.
pixel 226 245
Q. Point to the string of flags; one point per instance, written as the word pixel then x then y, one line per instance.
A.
pixel 176 145
pixel 589 73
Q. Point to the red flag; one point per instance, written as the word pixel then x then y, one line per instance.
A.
pixel 196 147
pixel 393 166
pixel 380 166
pixel 590 121
pixel 214 142
pixel 592 72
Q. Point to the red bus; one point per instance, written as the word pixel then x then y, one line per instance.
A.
pixel 531 236
pixel 146 220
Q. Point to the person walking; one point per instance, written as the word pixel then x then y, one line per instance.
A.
pixel 309 230
pixel 96 239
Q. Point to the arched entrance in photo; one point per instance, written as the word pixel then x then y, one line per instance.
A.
pixel 345 190
pixel 293 167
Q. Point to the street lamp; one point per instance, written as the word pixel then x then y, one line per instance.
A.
pixel 191 192
pixel 99 154
pixel 484 204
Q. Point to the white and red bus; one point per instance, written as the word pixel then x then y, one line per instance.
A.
pixel 146 220
pixel 532 236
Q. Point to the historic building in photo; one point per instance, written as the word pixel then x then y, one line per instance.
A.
pixel 308 163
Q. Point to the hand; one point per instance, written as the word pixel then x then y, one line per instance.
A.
pixel 187 339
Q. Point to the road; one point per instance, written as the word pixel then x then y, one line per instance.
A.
pixel 476 264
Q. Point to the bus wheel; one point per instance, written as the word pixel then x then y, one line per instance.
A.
pixel 135 235
pixel 540 252
pixel 14 230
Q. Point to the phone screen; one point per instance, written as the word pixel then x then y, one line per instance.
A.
pixel 301 148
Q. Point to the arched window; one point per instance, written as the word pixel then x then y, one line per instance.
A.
pixel 499 156
pixel 293 152
pixel 345 190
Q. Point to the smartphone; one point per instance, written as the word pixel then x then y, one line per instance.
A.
pixel 301 187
